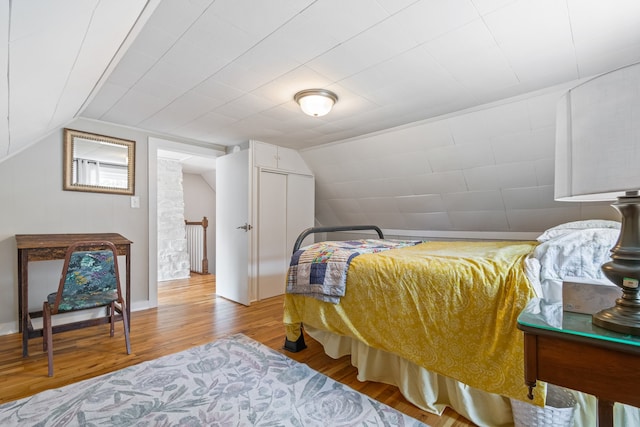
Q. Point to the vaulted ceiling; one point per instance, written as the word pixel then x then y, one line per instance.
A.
pixel 225 71
pixel 53 56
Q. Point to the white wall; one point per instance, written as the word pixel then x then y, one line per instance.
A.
pixel 173 257
pixel 200 201
pixel 487 170
pixel 32 202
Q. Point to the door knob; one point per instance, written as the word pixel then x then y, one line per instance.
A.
pixel 245 227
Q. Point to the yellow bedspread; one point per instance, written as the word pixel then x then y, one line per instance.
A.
pixel 450 307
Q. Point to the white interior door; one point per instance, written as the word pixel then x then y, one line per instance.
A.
pixel 272 234
pixel 232 212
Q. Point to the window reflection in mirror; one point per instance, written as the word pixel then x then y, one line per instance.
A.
pixel 98 163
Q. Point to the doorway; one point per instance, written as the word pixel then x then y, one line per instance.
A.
pixel 195 160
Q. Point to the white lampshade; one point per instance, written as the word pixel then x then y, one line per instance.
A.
pixel 597 158
pixel 598 138
pixel 316 102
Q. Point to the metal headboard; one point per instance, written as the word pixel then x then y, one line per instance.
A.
pixel 314 230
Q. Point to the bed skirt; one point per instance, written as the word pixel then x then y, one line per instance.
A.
pixel 433 392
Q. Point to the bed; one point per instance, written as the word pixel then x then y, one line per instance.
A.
pixel 438 319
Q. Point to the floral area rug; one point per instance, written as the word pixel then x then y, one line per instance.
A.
pixel 234 381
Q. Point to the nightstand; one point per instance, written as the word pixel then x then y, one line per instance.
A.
pixel 566 349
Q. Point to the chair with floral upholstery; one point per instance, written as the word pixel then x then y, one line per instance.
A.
pixel 89 279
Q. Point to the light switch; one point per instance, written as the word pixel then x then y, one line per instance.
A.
pixel 135 202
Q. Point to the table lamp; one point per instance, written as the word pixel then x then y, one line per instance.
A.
pixel 598 158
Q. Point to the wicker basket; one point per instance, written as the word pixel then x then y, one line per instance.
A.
pixel 558 411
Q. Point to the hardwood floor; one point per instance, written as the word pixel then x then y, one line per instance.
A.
pixel 189 314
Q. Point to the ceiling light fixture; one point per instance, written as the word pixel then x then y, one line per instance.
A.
pixel 316 102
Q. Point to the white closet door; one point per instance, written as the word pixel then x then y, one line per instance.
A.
pixel 272 234
pixel 232 242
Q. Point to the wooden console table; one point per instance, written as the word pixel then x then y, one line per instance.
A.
pixel 566 349
pixel 42 247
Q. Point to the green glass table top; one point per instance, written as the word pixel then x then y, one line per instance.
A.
pixel 550 316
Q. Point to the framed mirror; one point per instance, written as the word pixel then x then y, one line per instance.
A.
pixel 98 163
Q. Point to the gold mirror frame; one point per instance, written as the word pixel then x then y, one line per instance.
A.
pixel 124 160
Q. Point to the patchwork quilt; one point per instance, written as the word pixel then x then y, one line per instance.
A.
pixel 320 270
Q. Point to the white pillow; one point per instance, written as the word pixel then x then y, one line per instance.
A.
pixel 562 229
pixel 579 253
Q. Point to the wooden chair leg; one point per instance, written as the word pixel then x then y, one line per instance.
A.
pixel 44 327
pixel 48 336
pixel 125 321
pixel 111 313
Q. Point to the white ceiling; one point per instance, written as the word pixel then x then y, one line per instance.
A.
pixel 225 71
pixel 53 55
pixel 191 163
